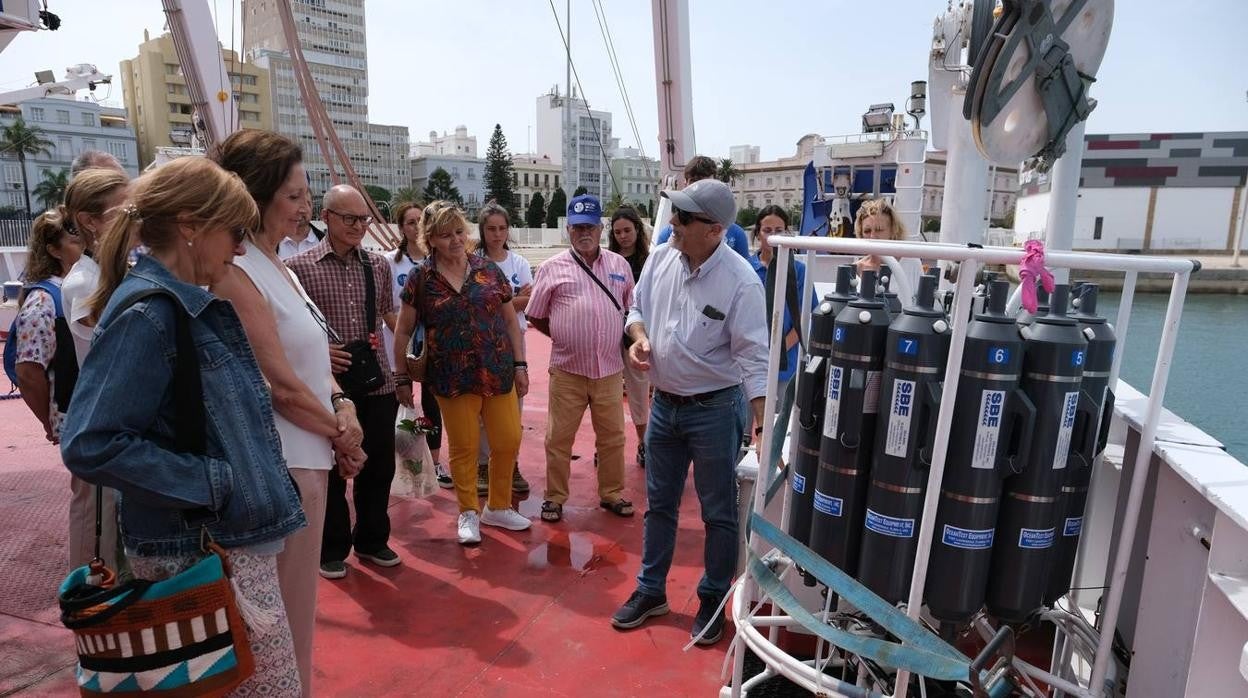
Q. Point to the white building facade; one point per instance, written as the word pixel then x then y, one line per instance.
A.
pixel 71 127
pixel 1151 192
pixel 535 174
pixel 587 142
pixel 332 38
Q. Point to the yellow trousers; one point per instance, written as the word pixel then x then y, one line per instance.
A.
pixel 461 416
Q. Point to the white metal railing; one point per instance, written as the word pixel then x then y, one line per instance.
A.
pixel 969 261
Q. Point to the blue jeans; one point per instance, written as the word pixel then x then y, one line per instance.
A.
pixel 709 434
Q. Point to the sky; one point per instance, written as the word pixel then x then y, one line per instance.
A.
pixel 763 78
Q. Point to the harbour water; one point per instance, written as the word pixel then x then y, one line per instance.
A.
pixel 1209 379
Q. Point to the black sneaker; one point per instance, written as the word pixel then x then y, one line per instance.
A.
pixel 382 558
pixel 335 569
pixel 444 477
pixel 641 455
pixel 637 609
pixel 709 613
pixel 483 480
pixel 518 483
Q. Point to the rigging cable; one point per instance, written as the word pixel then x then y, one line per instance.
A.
pixel 601 13
pixel 601 147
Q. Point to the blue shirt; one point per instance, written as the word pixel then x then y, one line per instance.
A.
pixel 790 369
pixel 120 428
pixel 702 324
pixel 734 237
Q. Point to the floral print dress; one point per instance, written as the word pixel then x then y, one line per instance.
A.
pixel 36 342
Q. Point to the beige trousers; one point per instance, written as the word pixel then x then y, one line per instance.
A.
pixel 82 525
pixel 298 568
pixel 569 395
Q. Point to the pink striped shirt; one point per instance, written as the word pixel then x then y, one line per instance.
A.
pixel 585 326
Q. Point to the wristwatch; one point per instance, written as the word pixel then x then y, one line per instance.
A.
pixel 338 398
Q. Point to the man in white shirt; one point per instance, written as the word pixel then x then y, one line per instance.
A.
pixel 304 238
pixel 698 326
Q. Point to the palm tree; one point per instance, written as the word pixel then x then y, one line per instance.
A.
pixel 405 194
pixel 51 191
pixel 22 140
pixel 728 173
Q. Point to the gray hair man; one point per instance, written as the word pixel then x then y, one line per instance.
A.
pixel 88 159
pixel 345 282
pixel 695 325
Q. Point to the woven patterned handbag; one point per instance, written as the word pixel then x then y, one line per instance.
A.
pixel 182 636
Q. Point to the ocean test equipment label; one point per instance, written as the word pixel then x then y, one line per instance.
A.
pixel 832 410
pixel 1069 406
pixel 889 526
pixel 799 484
pixel 1073 526
pixel 897 439
pixel 967 538
pixel 1035 538
pixel 828 505
pixel 991 406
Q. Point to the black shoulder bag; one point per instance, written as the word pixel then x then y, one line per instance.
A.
pixel 625 340
pixel 365 374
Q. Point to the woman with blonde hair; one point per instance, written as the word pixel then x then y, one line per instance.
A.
pixel 317 425
pixel 475 363
pixel 92 201
pixel 171 408
pixel 876 221
pixel 410 253
pixel 45 363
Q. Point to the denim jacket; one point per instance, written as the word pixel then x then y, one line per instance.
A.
pixel 119 430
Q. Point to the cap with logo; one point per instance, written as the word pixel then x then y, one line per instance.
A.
pixel 709 197
pixel 584 210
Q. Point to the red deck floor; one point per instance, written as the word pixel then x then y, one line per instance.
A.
pixel 524 614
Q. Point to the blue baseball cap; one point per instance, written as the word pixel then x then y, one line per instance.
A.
pixel 584 210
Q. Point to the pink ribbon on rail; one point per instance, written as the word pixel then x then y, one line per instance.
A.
pixel 1032 268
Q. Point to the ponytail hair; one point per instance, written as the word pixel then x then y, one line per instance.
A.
pixel 48 230
pixel 189 189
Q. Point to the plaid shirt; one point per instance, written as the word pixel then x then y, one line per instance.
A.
pixel 337 287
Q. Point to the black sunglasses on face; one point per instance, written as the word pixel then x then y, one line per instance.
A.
pixel 687 217
pixel 239 234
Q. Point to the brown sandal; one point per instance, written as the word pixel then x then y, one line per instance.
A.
pixel 620 507
pixel 551 512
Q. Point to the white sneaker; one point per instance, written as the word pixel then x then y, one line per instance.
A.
pixel 509 519
pixel 469 528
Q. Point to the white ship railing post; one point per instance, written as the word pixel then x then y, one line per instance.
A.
pixel 1139 478
pixel 967 271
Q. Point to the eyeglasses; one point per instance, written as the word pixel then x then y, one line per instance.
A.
pixel 351 219
pixel 687 217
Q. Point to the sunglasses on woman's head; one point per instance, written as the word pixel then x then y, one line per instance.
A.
pixel 687 217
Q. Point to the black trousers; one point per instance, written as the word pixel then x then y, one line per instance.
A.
pixel 429 404
pixel 371 489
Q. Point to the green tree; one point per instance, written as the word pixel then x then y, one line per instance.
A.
pixel 51 191
pixel 558 206
pixel 578 191
pixel 377 194
pixel 405 195
pixel 500 175
pixel 746 216
pixel 616 201
pixel 535 216
pixel 21 140
pixel 728 173
pixel 441 188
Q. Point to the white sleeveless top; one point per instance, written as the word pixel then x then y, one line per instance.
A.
pixel 306 348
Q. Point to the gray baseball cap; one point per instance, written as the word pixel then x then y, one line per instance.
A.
pixel 707 196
